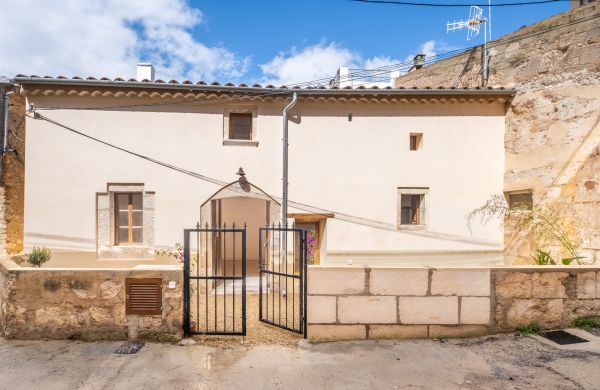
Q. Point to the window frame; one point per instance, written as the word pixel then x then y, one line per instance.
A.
pixel 418 137
pixel 423 216
pixel 240 109
pixel 512 207
pixel 130 227
pixel 231 124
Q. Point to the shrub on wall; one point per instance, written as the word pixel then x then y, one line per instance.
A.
pixel 38 256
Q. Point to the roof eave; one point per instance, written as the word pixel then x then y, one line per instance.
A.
pixel 266 90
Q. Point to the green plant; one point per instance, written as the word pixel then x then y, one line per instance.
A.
pixel 527 329
pixel 550 228
pixel 38 256
pixel 585 323
pixel 544 258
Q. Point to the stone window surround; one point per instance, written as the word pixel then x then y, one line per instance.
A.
pixel 424 209
pixel 105 223
pixel 240 109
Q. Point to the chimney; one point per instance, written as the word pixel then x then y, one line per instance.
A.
pixel 419 61
pixel 145 71
pixel 342 78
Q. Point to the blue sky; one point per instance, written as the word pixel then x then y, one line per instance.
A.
pixel 261 29
pixel 264 41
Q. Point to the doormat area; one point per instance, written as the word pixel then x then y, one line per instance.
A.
pixel 561 337
pixel 130 347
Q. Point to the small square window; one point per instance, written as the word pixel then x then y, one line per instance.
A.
pixel 240 126
pixel 412 207
pixel 521 200
pixel 416 141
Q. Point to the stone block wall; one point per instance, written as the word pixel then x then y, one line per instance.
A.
pixel 84 304
pixel 552 135
pixel 373 303
pixel 348 303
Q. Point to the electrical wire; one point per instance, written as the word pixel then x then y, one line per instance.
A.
pixel 419 4
pixel 298 205
pixel 401 66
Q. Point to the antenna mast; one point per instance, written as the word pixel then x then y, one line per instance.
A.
pixel 473 26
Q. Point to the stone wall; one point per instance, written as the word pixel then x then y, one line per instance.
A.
pixel 377 303
pixel 552 125
pixel 13 179
pixel 84 304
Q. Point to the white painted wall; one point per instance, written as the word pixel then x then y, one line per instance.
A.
pixel 351 167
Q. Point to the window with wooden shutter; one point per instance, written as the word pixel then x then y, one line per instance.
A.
pixel 411 209
pixel 143 296
pixel 129 213
pixel 240 126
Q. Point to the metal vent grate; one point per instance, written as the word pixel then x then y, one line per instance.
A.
pixel 143 296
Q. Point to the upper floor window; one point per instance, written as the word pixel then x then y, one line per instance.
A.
pixel 416 139
pixel 129 218
pixel 240 126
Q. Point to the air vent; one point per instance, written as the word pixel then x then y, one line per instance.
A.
pixel 144 296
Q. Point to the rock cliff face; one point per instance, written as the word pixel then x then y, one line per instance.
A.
pixel 553 124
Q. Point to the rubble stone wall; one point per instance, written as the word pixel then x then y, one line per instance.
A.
pixel 84 304
pixel 552 132
pixel 12 185
pixel 349 303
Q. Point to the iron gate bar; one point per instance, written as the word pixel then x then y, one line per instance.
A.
pixel 268 274
pixel 216 233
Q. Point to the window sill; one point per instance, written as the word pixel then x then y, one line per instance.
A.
pixel 412 227
pixel 235 142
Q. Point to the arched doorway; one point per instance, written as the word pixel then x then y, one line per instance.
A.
pixel 239 203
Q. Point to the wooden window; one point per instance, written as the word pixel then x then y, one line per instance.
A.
pixel 240 126
pixel 410 209
pixel 415 141
pixel 143 296
pixel 128 218
pixel 522 200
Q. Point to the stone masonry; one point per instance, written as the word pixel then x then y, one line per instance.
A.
pixel 552 133
pixel 86 304
pixel 13 179
pixel 349 303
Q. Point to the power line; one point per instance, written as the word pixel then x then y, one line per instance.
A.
pixel 301 206
pixel 401 66
pixel 419 4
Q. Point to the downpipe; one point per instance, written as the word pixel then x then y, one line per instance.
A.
pixel 284 192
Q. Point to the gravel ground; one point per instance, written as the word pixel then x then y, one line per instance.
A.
pixel 257 332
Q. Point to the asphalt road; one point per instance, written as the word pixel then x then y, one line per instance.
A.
pixel 498 362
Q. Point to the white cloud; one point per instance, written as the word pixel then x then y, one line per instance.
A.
pixel 108 38
pixel 431 48
pixel 316 62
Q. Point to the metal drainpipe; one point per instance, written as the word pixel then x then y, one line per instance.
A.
pixel 284 195
pixel 5 147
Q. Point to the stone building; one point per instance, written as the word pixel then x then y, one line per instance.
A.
pixel 552 133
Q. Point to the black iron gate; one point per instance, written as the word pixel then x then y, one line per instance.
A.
pixel 282 277
pixel 214 281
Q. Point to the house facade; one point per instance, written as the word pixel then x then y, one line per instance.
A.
pixel 377 176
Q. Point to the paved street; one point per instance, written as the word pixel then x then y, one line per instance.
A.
pixel 490 363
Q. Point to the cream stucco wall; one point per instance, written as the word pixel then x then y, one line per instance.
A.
pixel 352 168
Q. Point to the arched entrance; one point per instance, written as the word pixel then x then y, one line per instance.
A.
pixel 239 247
pixel 238 204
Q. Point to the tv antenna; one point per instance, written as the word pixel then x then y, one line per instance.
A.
pixel 473 26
